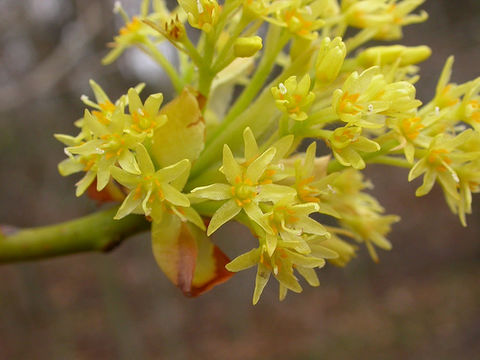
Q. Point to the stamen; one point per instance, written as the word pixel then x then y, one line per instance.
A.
pixel 455 176
pixel 200 7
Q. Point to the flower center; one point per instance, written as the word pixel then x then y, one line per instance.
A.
pixel 438 158
pixel 411 127
pixel 243 191
pixel 348 104
pixel 132 27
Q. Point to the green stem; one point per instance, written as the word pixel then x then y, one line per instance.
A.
pixel 192 52
pixel 150 48
pixel 206 75
pixel 283 125
pixel 359 39
pixel 322 116
pixel 392 161
pixel 96 232
pixel 273 47
pixel 318 133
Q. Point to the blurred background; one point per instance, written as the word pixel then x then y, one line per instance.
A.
pixel 422 301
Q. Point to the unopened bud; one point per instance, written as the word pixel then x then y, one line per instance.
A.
pixel 329 60
pixel 385 55
pixel 247 46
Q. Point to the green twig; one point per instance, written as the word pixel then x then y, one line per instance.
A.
pixel 392 161
pixel 96 232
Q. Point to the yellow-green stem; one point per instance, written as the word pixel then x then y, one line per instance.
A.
pixel 156 55
pixel 392 161
pixel 273 47
pixel 95 232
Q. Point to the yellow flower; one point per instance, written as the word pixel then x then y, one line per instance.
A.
pixel 301 18
pixel 342 251
pixel 254 9
pixel 366 99
pixel 346 143
pixel 359 212
pixel 108 145
pixel 443 155
pixel 370 228
pixel 290 223
pixel 282 264
pixel 135 31
pixel 151 190
pixel 408 132
pixel 360 100
pixel 311 180
pixel 202 14
pixel 244 189
pixel 469 176
pixel 470 106
pixel 387 17
pixel 293 98
pixel 145 118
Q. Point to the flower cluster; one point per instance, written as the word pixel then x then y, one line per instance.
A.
pixel 112 145
pixel 228 147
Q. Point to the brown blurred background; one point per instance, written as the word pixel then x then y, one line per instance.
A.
pixel 422 301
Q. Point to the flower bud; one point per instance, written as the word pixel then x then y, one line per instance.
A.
pixel 385 55
pixel 330 60
pixel 247 46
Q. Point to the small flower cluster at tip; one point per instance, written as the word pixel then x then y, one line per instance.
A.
pixel 112 145
pixel 275 197
pixel 148 27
